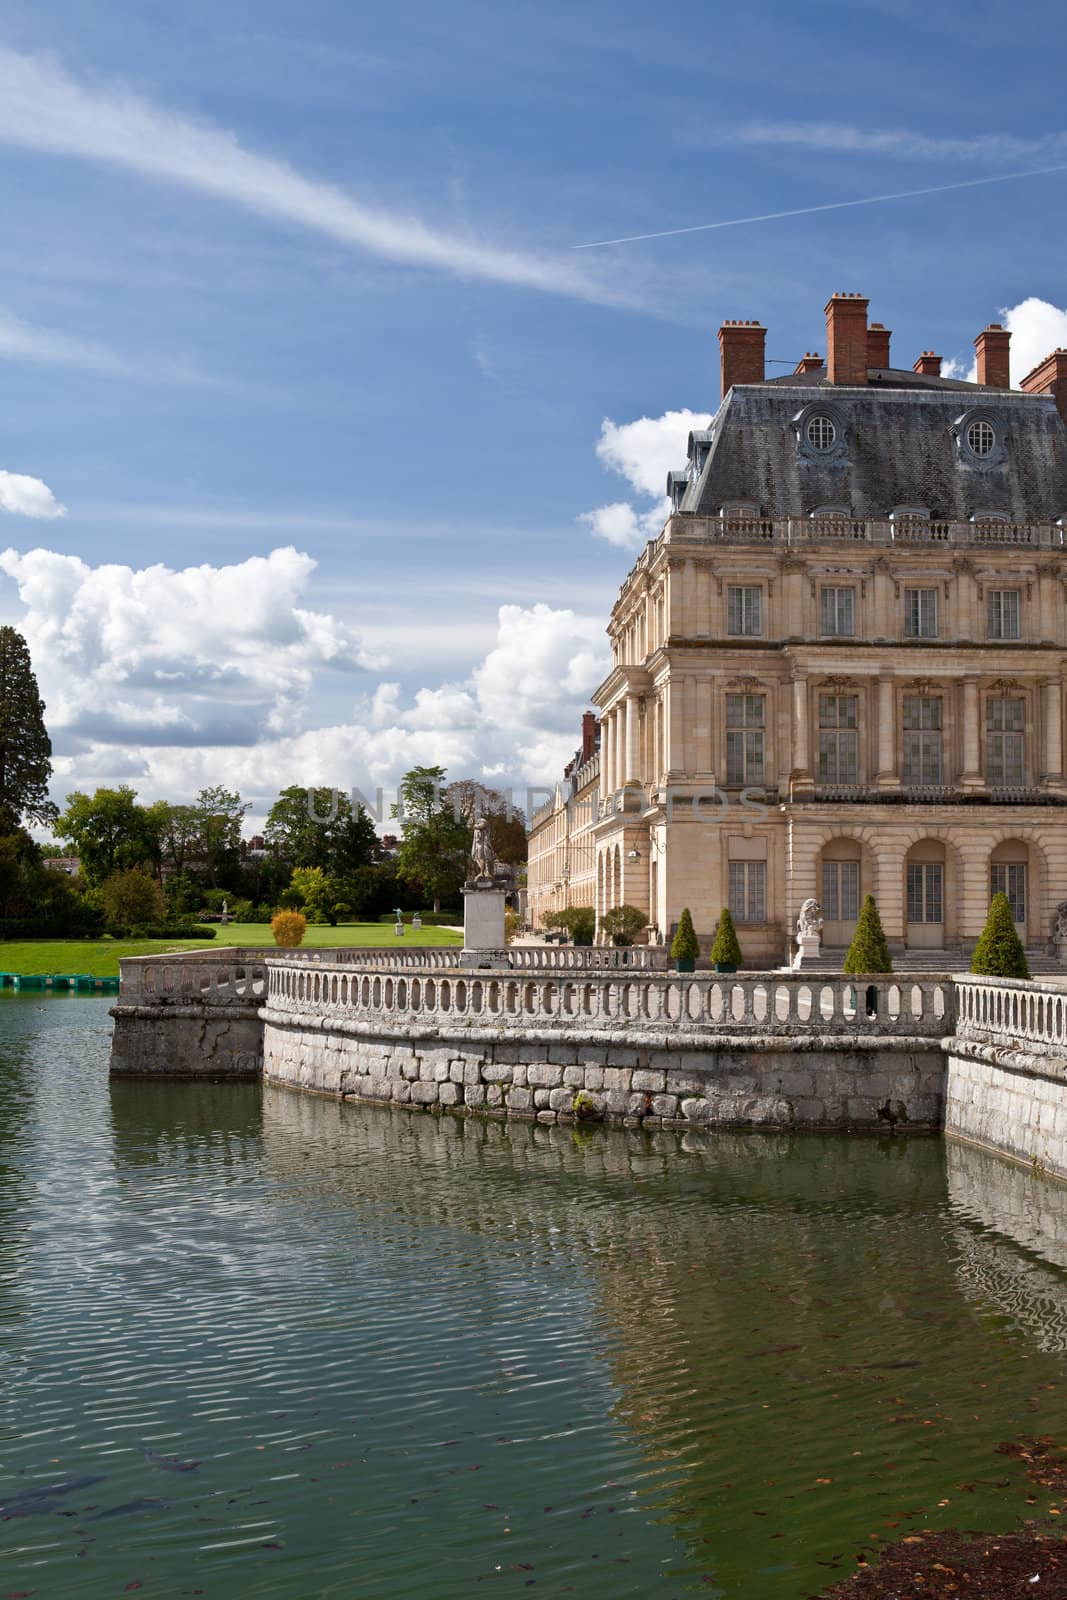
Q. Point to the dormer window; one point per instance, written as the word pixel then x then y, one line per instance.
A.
pixel 981 437
pixel 821 433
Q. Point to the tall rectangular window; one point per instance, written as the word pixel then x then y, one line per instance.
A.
pixel 1005 613
pixel 744 612
pixel 922 739
pixel 745 724
pixel 837 613
pixel 747 891
pixel 1009 877
pixel 838 738
pixel 1005 722
pixel 840 891
pixel 920 613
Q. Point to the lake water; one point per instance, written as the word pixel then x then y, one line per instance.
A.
pixel 261 1345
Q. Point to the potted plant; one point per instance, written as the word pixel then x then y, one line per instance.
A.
pixel 726 951
pixel 684 945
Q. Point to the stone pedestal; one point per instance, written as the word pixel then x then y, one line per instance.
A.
pixel 807 949
pixel 483 924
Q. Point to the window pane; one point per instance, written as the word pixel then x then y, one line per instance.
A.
pixel 1009 877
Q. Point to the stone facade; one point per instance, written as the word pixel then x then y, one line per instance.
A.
pixel 841 666
pixel 561 869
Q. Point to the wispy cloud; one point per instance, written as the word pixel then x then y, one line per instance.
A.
pixel 44 108
pixel 846 139
pixel 23 496
pixel 21 341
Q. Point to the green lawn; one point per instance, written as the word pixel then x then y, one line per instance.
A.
pixel 100 957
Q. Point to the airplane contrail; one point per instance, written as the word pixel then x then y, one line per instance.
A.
pixel 833 205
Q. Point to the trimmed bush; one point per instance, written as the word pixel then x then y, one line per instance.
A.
pixel 726 950
pixel 171 930
pixel 999 952
pixel 622 924
pixel 685 946
pixel 288 928
pixel 868 951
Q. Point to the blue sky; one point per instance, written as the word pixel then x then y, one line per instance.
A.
pixel 282 274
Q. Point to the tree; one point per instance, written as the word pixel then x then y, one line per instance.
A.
pixel 320 828
pixel 579 922
pixel 435 845
pixel 131 897
pixel 470 800
pixel 25 748
pixel 320 896
pixel 684 945
pixel 868 951
pixel 179 834
pixel 622 924
pixel 999 952
pixel 109 830
pixel 726 947
pixel 220 815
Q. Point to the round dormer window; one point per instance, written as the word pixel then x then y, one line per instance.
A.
pixel 981 437
pixel 821 433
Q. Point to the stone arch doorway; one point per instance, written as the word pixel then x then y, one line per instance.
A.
pixel 1012 871
pixel 929 896
pixel 840 887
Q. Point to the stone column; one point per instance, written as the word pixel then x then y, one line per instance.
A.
pixel 801 729
pixel 888 775
pixel 675 701
pixel 971 776
pixel 633 752
pixel 1053 732
pixel 605 756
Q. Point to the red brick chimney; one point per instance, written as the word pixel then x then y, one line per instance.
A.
pixel 878 337
pixel 810 361
pixel 846 338
pixel 1050 377
pixel 928 364
pixel 590 726
pixel 993 366
pixel 741 351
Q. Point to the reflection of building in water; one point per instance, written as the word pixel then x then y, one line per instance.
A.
pixel 1007 1261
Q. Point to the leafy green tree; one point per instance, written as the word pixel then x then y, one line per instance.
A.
pixel 622 924
pixel 319 895
pixel 130 897
pixel 578 921
pixel 869 951
pixel 220 815
pixel 435 844
pixel 25 748
pixel 178 830
pixel 320 828
pixel 507 828
pixel 726 947
pixel 999 952
pixel 684 945
pixel 108 830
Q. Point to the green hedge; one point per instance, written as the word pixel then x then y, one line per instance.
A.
pixel 429 919
pixel 87 927
pixel 165 930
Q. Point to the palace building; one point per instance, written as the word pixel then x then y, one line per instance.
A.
pixel 840 668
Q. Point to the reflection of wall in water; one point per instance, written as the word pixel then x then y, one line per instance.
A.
pixel 1016 1256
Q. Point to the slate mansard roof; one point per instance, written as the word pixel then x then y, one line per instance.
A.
pixel 901 441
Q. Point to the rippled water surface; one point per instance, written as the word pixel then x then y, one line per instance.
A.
pixel 266 1345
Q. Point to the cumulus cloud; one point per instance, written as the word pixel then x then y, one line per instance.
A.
pixel 204 655
pixel 28 497
pixel 642 452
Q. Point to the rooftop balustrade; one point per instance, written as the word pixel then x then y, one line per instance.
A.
pixel 797 532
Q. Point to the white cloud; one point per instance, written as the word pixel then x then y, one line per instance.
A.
pixel 44 108
pixel 642 452
pixel 28 497
pixel 1037 328
pixel 846 139
pixel 21 341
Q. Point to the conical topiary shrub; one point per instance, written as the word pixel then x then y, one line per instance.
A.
pixel 999 952
pixel 726 951
pixel 684 946
pixel 868 951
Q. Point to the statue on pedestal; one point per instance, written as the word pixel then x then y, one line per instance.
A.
pixel 809 931
pixel 483 862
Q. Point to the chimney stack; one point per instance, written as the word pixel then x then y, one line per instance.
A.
pixel 590 725
pixel 846 338
pixel 810 361
pixel 928 364
pixel 1050 377
pixel 878 337
pixel 741 351
pixel 993 363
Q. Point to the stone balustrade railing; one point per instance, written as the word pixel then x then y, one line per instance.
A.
pixel 227 977
pixel 641 958
pixel 793 532
pixel 1013 1015
pixel 770 1003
